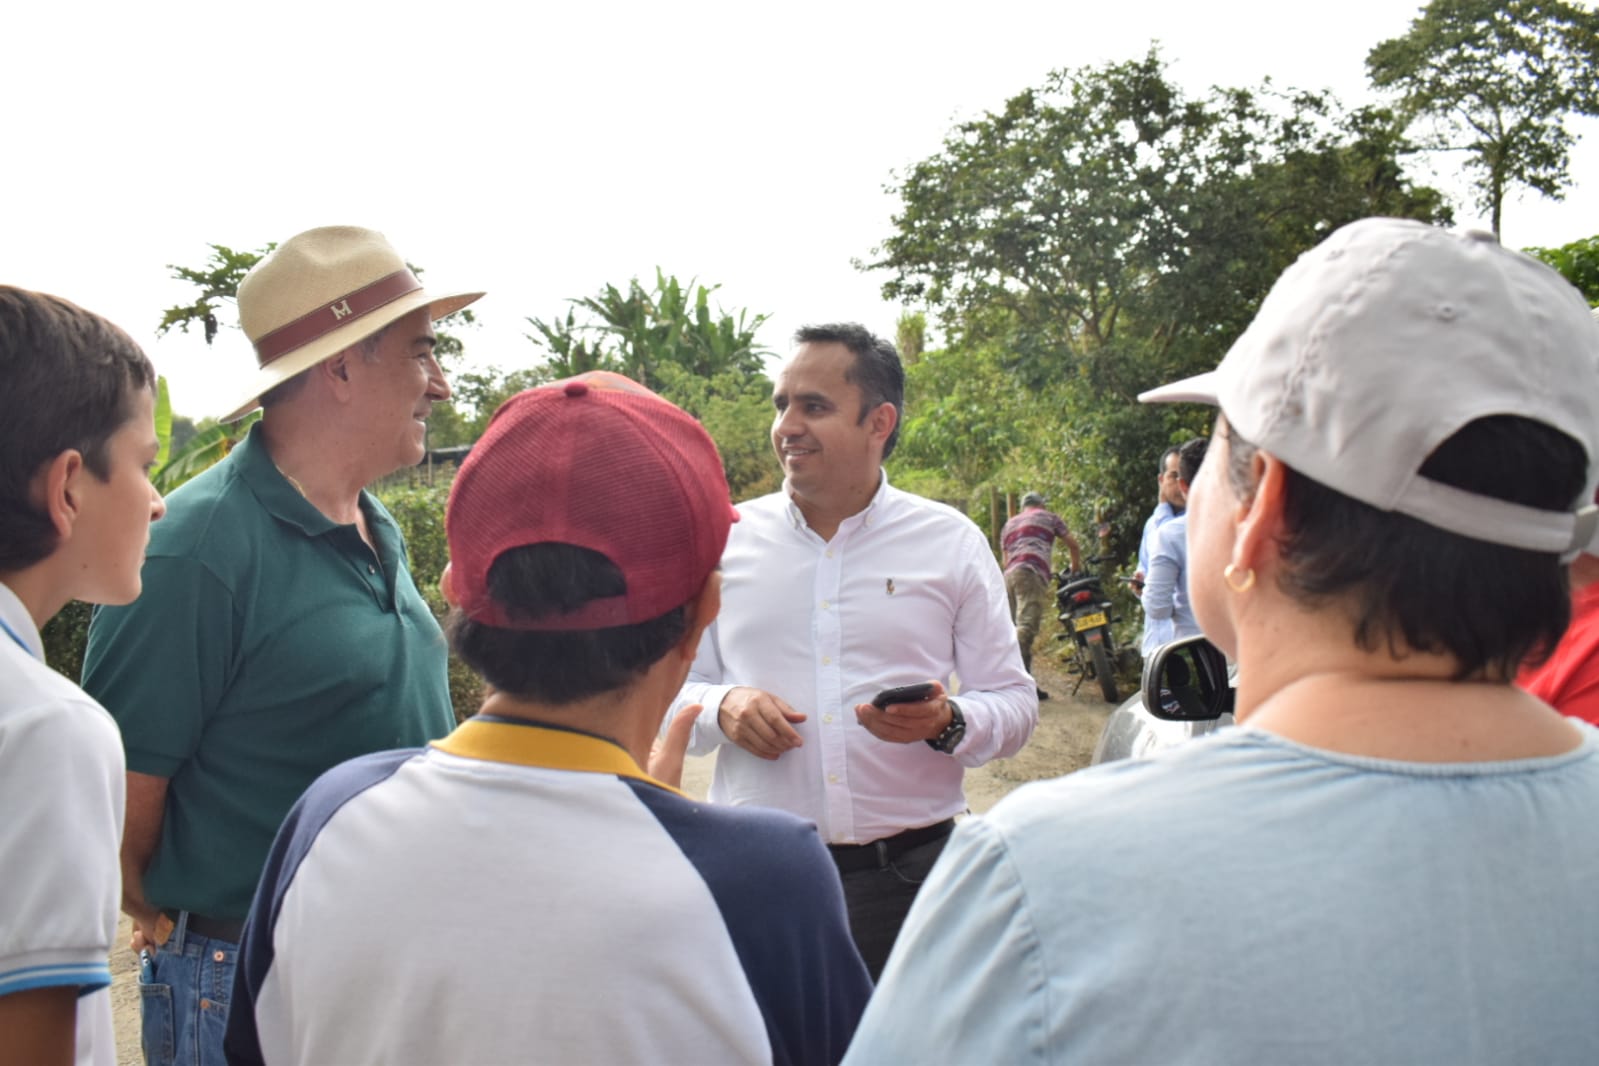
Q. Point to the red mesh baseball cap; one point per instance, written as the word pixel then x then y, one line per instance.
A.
pixel 600 462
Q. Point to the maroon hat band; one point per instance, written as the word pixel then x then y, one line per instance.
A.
pixel 330 316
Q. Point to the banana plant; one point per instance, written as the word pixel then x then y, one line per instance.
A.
pixel 199 453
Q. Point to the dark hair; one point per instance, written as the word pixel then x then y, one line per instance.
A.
pixel 1189 456
pixel 560 666
pixel 1417 586
pixel 69 381
pixel 1165 455
pixel 877 369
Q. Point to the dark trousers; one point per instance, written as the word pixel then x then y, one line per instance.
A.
pixel 878 899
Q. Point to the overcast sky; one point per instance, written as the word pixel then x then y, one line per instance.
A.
pixel 539 151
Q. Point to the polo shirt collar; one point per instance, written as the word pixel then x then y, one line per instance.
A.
pixel 523 743
pixel 278 496
pixel 286 503
pixel 18 623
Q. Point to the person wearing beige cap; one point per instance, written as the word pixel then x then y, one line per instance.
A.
pixel 1392 857
pixel 280 632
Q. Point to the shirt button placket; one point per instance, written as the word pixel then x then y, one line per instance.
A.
pixel 830 692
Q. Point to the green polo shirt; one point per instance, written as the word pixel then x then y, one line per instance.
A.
pixel 269 645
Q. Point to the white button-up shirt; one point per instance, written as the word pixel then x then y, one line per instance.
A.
pixel 905 591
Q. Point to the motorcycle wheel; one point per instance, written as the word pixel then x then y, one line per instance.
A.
pixel 1104 674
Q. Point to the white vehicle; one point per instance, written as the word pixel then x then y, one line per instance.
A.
pixel 1186 692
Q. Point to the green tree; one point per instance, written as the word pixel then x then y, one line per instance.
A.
pixel 218 281
pixel 670 338
pixel 1103 233
pixel 1496 79
pixel 1578 263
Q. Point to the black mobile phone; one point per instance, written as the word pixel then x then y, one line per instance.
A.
pixel 904 694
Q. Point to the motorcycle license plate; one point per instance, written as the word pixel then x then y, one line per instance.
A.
pixel 1089 621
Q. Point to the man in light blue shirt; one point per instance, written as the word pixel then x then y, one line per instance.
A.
pixel 1167 614
pixel 1169 507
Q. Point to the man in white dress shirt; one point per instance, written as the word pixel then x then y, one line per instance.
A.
pixel 835 588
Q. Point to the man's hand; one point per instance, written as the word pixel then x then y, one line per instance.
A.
pixel 666 754
pixel 906 723
pixel 141 832
pixel 1137 584
pixel 150 929
pixel 759 722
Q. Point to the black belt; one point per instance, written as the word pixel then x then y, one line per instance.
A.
pixel 850 858
pixel 215 928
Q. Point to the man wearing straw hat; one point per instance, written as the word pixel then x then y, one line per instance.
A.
pixel 280 632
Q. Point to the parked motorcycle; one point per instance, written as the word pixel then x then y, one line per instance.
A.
pixel 1086 616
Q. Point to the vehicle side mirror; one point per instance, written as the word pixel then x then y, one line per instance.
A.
pixel 1186 681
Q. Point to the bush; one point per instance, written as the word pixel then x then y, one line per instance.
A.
pixel 419 512
pixel 65 636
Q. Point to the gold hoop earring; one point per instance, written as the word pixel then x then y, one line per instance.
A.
pixel 1249 578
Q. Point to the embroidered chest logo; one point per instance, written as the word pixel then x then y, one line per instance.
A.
pixel 891 586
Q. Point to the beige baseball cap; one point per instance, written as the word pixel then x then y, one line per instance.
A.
pixel 1386 339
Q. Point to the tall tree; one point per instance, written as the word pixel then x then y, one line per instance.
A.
pixel 669 338
pixel 1496 79
pixel 1106 232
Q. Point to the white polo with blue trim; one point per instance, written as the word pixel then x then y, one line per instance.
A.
pixel 62 786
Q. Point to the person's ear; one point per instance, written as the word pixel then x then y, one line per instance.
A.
pixel 58 490
pixel 883 420
pixel 1258 520
pixel 702 611
pixel 444 587
pixel 335 372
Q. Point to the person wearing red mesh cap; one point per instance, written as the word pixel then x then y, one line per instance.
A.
pixel 529 890
pixel 837 588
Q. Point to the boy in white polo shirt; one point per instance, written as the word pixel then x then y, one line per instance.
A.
pixel 77 441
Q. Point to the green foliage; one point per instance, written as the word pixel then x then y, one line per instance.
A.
pixel 634 332
pixel 737 416
pixel 419 512
pixel 476 395
pixel 65 637
pixel 910 336
pixel 182 429
pixel 1495 79
pixel 163 420
pixel 964 419
pixel 207 445
pixel 1578 263
pixel 218 282
pixel 669 339
pixel 1095 237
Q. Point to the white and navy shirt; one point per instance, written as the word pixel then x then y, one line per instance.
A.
pixel 524 893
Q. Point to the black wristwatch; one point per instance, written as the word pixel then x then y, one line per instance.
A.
pixel 950 738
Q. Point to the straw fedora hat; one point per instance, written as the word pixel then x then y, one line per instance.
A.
pixel 318 293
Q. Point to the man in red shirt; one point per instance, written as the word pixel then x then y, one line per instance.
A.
pixel 1028 540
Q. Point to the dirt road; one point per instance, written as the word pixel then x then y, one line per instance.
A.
pixel 1064 741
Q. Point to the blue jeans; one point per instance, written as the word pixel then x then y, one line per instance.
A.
pixel 184 988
